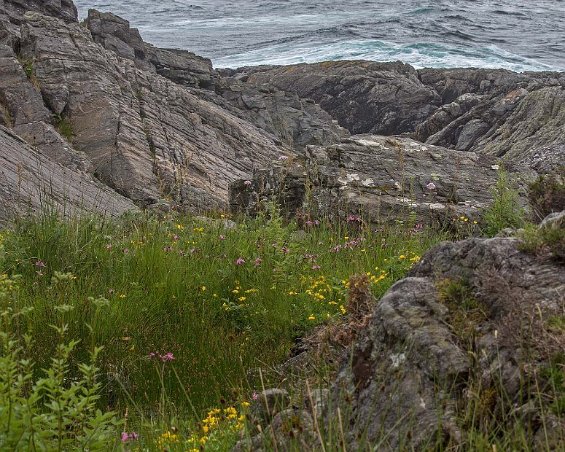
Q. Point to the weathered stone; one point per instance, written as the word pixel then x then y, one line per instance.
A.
pixel 383 178
pixel 267 404
pixel 315 402
pixel 180 66
pixel 412 369
pixel 510 115
pixel 289 430
pixel 365 97
pixel 31 183
pixel 145 136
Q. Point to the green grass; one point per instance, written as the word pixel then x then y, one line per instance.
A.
pixel 221 301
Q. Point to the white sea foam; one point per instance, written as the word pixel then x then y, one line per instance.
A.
pixel 418 55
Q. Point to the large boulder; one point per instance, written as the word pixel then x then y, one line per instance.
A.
pixel 473 331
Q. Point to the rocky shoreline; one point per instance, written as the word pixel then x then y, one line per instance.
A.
pixel 162 128
pixel 94 119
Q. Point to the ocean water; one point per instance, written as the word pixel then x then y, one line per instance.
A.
pixel 521 35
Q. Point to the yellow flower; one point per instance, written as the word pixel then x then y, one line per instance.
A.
pixel 312 317
pixel 242 299
pixel 343 310
pixel 203 288
pixel 402 257
pixel 245 404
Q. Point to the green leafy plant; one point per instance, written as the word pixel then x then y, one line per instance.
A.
pixel 52 412
pixel 505 211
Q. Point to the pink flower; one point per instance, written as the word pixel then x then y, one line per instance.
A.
pixel 133 436
pixel 247 183
pixel 354 219
pixel 40 264
pixel 316 267
pixel 285 250
pixel 167 357
pixel 222 237
pixel 431 186
pixel 255 396
pixel 258 262
pixel 240 261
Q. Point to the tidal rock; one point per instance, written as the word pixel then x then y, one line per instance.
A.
pixel 516 116
pixel 365 97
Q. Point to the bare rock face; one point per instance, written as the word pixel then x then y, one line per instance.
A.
pixel 472 322
pixel 182 67
pixel 516 116
pixel 30 182
pixel 145 136
pixel 365 97
pixel 384 178
pixel 292 121
pixel 63 9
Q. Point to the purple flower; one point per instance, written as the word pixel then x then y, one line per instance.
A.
pixel 167 357
pixel 354 219
pixel 248 183
pixel 285 250
pixel 40 264
pixel 133 436
pixel 431 186
pixel 240 261
pixel 258 262
pixel 255 396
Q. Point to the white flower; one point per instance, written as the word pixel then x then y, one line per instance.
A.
pixel 431 186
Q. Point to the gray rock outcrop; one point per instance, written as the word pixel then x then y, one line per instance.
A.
pixel 470 327
pixel 161 126
pixel 519 117
pixel 32 183
pixel 382 178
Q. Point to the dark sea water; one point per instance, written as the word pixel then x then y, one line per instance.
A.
pixel 514 34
